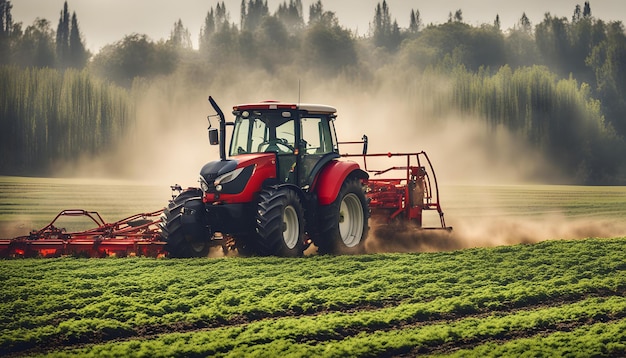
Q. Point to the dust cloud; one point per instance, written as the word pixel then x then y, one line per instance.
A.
pixel 168 143
pixel 399 111
pixel 486 232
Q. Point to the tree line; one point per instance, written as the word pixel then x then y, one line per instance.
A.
pixel 560 84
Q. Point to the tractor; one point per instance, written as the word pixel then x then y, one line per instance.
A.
pixel 282 188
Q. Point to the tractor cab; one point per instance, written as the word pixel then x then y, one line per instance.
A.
pixel 302 137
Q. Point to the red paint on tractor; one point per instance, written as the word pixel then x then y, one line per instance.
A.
pixel 265 168
pixel 329 181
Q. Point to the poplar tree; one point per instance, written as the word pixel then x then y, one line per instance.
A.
pixel 252 15
pixel 315 12
pixel 386 33
pixel 415 22
pixel 221 16
pixel 577 14
pixel 180 37
pixel 78 55
pixel 317 15
pixel 587 10
pixel 6 20
pixel 63 37
pixel 70 50
pixel 291 14
pixel 207 30
pixel 524 24
pixel 6 25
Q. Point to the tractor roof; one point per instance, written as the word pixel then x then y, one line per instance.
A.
pixel 311 108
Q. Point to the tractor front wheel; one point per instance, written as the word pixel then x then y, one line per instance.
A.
pixel 344 222
pixel 280 223
pixel 183 226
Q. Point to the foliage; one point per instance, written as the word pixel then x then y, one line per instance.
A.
pixel 6 27
pixel 180 38
pixel 563 292
pixel 385 33
pixel 134 56
pixel 253 14
pixel 291 14
pixel 330 49
pixel 35 46
pixel 50 116
pixel 458 43
pixel 559 116
pixel 39 45
pixel 577 63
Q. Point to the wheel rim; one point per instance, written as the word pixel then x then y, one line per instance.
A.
pixel 291 227
pixel 351 220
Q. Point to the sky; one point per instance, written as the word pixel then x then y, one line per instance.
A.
pixel 104 22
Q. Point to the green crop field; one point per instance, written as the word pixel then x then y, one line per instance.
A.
pixel 485 295
pixel 553 298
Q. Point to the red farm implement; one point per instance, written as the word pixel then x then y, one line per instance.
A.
pixel 402 194
pixel 137 235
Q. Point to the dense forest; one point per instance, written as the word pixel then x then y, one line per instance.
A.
pixel 559 85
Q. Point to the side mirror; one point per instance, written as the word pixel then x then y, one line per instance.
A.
pixel 364 144
pixel 214 136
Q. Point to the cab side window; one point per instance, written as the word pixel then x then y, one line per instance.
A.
pixel 316 136
pixel 286 132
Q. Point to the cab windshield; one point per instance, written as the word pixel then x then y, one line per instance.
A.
pixel 258 132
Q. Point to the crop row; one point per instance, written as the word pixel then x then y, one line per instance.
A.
pixel 387 332
pixel 69 301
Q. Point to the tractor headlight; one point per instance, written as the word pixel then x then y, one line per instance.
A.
pixel 227 178
pixel 232 182
pixel 203 185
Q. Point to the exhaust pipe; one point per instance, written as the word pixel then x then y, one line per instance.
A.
pixel 222 135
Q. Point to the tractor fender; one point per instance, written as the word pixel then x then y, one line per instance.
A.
pixel 296 189
pixel 328 183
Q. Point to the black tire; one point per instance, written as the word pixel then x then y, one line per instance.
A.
pixel 280 223
pixel 344 223
pixel 183 226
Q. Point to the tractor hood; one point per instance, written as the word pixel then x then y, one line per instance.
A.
pixel 235 173
pixel 213 169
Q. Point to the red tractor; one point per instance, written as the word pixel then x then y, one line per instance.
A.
pixel 285 186
pixel 282 187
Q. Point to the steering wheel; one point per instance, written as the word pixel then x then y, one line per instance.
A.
pixel 280 145
pixel 283 142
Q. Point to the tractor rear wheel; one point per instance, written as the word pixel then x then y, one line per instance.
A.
pixel 344 223
pixel 280 223
pixel 183 226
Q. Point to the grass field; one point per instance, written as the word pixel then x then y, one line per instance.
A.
pixel 548 299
